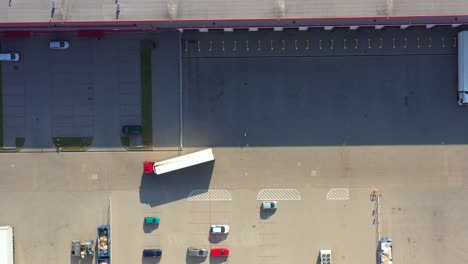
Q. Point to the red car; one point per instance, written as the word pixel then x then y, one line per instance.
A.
pixel 219 252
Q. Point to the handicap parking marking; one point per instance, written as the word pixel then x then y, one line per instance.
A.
pixel 210 195
pixel 279 194
pixel 338 194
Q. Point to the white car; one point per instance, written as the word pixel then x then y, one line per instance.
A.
pixel 269 205
pixel 219 229
pixel 9 57
pixel 59 45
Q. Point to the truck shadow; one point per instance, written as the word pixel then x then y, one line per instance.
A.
pixel 172 186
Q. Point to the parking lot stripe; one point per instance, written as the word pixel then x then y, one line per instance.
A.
pixel 338 194
pixel 279 194
pixel 209 195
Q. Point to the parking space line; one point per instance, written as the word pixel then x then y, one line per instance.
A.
pixel 338 194
pixel 209 195
pixel 279 194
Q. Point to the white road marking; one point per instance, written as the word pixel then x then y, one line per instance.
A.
pixel 338 194
pixel 279 194
pixel 210 195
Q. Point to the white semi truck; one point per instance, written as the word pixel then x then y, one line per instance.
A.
pixel 7 245
pixel 184 161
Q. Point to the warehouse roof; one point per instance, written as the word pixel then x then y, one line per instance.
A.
pixel 110 10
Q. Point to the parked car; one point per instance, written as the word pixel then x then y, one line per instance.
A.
pixel 59 44
pixel 197 252
pixel 9 56
pixel 219 229
pixel 152 252
pixel 131 130
pixel 269 205
pixel 152 220
pixel 219 252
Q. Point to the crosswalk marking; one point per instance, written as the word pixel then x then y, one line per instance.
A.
pixel 210 195
pixel 279 194
pixel 338 194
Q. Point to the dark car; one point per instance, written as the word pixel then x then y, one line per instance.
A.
pixel 152 252
pixel 131 130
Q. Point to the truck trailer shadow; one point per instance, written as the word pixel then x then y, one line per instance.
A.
pixel 172 186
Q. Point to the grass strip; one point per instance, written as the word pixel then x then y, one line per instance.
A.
pixel 72 143
pixel 146 47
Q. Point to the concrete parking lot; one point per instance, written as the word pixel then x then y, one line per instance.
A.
pixel 421 207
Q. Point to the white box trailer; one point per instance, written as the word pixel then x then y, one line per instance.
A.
pixel 178 163
pixel 7 245
pixel 463 68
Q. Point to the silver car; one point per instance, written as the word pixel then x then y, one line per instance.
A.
pixel 219 229
pixel 269 205
pixel 9 56
pixel 59 44
pixel 197 252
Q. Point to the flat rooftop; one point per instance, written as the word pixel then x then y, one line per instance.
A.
pixel 178 10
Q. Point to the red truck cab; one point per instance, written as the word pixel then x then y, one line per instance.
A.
pixel 148 166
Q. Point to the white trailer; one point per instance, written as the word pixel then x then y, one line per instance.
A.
pixel 463 68
pixel 178 163
pixel 7 245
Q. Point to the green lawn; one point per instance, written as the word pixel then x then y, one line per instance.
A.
pixel 72 143
pixel 146 47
